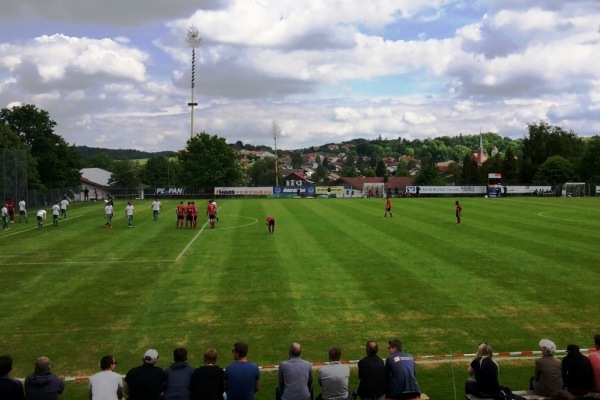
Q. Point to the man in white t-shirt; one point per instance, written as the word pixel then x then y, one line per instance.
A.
pixel 129 213
pixel 106 384
pixel 55 213
pixel 22 210
pixel 4 218
pixel 156 208
pixel 41 218
pixel 108 214
pixel 63 207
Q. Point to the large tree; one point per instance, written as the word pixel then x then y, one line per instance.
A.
pixel 429 175
pixel 159 171
pixel 125 175
pixel 11 141
pixel 589 164
pixel 556 170
pixel 208 161
pixel 545 141
pixel 262 172
pixel 58 164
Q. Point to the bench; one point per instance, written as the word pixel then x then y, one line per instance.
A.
pixel 528 394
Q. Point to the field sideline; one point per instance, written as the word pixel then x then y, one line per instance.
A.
pixel 334 273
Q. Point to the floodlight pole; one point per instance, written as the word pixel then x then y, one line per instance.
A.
pixel 193 40
pixel 275 130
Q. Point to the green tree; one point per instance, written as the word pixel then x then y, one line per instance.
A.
pixel 208 161
pixel 125 175
pixel 10 140
pixel 556 170
pixel 428 175
pixel 58 164
pixel 380 168
pixel 156 172
pixel 100 160
pixel 588 166
pixel 545 141
pixel 321 175
pixel 403 168
pixel 262 172
pixel 492 165
pixel 470 171
pixel 509 167
pixel 296 159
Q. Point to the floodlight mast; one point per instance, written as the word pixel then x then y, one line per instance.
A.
pixel 194 41
pixel 275 130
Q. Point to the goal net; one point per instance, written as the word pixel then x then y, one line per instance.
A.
pixel 573 189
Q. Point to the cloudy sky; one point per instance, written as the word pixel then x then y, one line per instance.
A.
pixel 117 73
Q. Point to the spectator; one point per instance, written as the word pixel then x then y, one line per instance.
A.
pixel 10 388
pixel 594 358
pixel 401 382
pixel 333 378
pixel 146 381
pixel 576 371
pixel 43 384
pixel 242 378
pixel 548 371
pixel 295 377
pixel 371 374
pixel 178 377
pixel 485 371
pixel 106 384
pixel 207 380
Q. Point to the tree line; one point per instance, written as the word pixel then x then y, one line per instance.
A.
pixel 546 155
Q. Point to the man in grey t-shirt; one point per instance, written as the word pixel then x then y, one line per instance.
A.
pixel 295 377
pixel 333 378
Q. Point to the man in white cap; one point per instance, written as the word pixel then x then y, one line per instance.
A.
pixel 147 381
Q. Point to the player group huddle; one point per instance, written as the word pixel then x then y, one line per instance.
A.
pixel 189 214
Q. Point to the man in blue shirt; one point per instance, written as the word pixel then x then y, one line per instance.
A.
pixel 400 373
pixel 242 378
pixel 295 377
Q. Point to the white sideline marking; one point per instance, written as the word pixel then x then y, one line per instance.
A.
pixel 192 241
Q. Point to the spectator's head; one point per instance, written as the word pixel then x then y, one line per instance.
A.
pixel 548 347
pixel 572 349
pixel 5 365
pixel 150 357
pixel 42 366
pixel 371 348
pixel 180 355
pixel 295 350
pixel 210 356
pixel 335 354
pixel 484 350
pixel 107 362
pixel 597 340
pixel 394 345
pixel 240 350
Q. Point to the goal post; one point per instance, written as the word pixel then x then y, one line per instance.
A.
pixel 573 189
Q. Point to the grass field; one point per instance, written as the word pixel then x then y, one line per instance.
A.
pixel 334 273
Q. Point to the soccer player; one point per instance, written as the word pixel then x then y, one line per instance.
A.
pixel 388 207
pixel 11 211
pixel 180 211
pixel 458 211
pixel 270 222
pixel 4 218
pixel 195 215
pixel 41 218
pixel 216 210
pixel 55 213
pixel 189 215
pixel 22 210
pixel 156 208
pixel 108 214
pixel 211 211
pixel 63 207
pixel 129 213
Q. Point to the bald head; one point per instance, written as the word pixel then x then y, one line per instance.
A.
pixel 42 365
pixel 371 348
pixel 295 350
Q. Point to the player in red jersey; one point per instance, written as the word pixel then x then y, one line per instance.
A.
pixel 180 211
pixel 270 221
pixel 194 215
pixel 11 211
pixel 388 207
pixel 189 215
pixel 211 211
pixel 458 211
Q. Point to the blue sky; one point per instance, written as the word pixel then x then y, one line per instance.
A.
pixel 117 74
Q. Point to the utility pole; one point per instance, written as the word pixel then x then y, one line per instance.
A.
pixel 193 40
pixel 276 131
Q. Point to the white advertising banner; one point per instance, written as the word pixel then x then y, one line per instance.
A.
pixel 244 191
pixel 448 189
